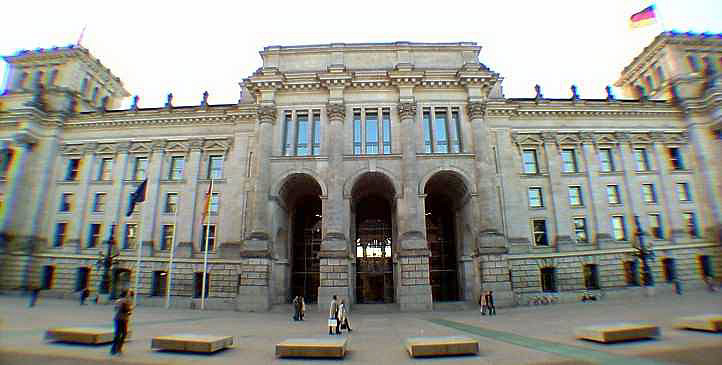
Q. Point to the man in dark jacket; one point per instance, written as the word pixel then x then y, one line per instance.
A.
pixel 490 303
pixel 122 314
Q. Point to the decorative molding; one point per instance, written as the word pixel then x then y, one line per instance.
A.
pixel 122 147
pixel 223 144
pixel 25 140
pixel 158 145
pixel 90 147
pixel 195 144
pixel 336 112
pixel 407 110
pixel 177 146
pixel 106 148
pixel 266 114
pixel 476 110
pixel 139 147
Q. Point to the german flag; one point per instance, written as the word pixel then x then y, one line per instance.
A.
pixel 643 18
pixel 207 202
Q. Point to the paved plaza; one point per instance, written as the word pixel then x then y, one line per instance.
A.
pixel 523 335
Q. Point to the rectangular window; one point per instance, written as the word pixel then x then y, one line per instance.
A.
pixel 675 158
pixel 211 230
pixel 81 278
pixel 302 135
pixel 606 160
pixel 357 132
pixel 159 285
pixel 139 169
pixel 71 173
pixel 454 132
pixel 215 201
pixel 548 279
pixel 99 202
pixel 539 232
pixel 66 202
pixel 591 277
pixel 105 169
pixel 535 198
pixel 176 168
pixel 575 196
pixel 427 131
pixel 705 266
pixel 580 229
pixel 288 135
pixel 649 83
pixel 48 276
pixel 693 63
pixel 59 234
pixel 569 161
pixel 386 118
pixel 171 203
pixel 619 229
pixel 441 139
pixel 530 162
pixel 215 167
pixel 655 226
pixel 668 270
pixel 641 158
pixel 316 133
pixel 660 74
pixel 166 241
pixel 198 284
pixel 6 160
pixel 649 194
pixel 93 235
pixel 372 133
pixel 131 236
pixel 683 193
pixel 691 224
pixel 613 195
pixel 631 274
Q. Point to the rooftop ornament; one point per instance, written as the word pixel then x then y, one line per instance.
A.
pixel 610 95
pixel 169 101
pixel 539 95
pixel 575 95
pixel 204 102
pixel 134 107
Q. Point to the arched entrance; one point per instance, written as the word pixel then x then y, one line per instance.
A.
pixel 446 195
pixel 301 196
pixel 373 236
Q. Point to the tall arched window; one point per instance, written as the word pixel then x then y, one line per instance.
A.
pixel 53 78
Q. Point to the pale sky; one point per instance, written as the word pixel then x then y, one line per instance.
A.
pixel 186 47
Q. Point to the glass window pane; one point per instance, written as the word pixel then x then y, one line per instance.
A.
pixel 316 135
pixel 387 132
pixel 372 133
pixel 442 142
pixel 357 133
pixel 454 132
pixel 288 135
pixel 530 162
pixel 302 148
pixel 427 131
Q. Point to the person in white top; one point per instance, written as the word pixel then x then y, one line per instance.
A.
pixel 333 316
pixel 343 316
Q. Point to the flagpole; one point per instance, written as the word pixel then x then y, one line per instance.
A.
pixel 140 247
pixel 170 262
pixel 205 254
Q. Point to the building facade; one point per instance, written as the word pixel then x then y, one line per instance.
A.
pixel 382 173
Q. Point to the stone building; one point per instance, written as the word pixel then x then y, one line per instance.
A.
pixel 382 173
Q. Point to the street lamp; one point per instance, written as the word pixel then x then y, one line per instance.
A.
pixel 643 253
pixel 107 261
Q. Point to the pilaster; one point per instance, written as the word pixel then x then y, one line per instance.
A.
pixel 675 229
pixel 150 206
pixel 562 219
pixel 80 216
pixel 13 217
pixel 117 199
pixel 187 202
pixel 597 195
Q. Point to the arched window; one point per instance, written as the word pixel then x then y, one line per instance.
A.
pixel 53 77
pixel 21 80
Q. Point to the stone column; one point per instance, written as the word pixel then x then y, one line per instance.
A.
pixel 81 210
pixel 703 147
pixel 187 202
pixel 597 191
pixel 150 210
pixel 559 193
pixel 414 289
pixel 334 277
pixel 14 215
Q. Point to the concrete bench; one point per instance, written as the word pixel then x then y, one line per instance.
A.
pixel 312 347
pixel 84 335
pixel 441 346
pixel 191 343
pixel 607 333
pixel 705 322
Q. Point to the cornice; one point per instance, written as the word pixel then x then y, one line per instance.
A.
pixel 562 137
pixel 580 109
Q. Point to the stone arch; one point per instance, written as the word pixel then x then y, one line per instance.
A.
pixel 283 179
pixel 462 175
pixel 351 181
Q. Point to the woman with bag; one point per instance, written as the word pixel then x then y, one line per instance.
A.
pixel 343 316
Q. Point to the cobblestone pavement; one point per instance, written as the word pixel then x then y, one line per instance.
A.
pixel 523 335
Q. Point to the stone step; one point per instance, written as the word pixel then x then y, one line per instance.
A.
pixel 455 306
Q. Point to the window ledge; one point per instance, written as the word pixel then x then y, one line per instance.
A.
pixel 615 205
pixel 680 171
pixel 393 156
pixel 611 173
pixel 292 158
pixel 686 202
pixel 577 206
pixel 532 176
pixel 573 174
pixel 101 182
pixel 67 182
pixel 215 181
pixel 646 172
pixel 169 181
pixel 537 208
pixel 168 214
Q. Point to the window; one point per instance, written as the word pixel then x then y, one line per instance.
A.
pixel 99 202
pixel 619 230
pixel 705 266
pixel 176 168
pixel 631 275
pixel 575 196
pixel 7 158
pixel 171 203
pixel 530 162
pixel 160 282
pixel 105 169
pixel 539 232
pixel 535 198
pixel 693 63
pixel 675 158
pixel 316 134
pixel 131 236
pixel 569 161
pixel 372 131
pixel 94 98
pixel 210 229
pixel 39 76
pixel 613 194
pixel 442 133
pixel 606 160
pixel 660 74
pixel 591 277
pixel 301 137
pixel 649 83
pixel 71 173
pixel 640 155
pixel 548 279
pixel 81 278
pixel 648 193
pixel 66 202
pixel 166 241
pixel 215 167
pixel 198 284
pixel 84 87
pixel 139 169
pixel 22 79
pixel 683 193
pixel 215 201
pixel 48 274
pixel 53 77
pixel 655 226
pixel 93 235
pixel 668 270
pixel 60 234
pixel 580 229
pixel 691 223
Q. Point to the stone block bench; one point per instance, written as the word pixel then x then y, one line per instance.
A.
pixel 312 347
pixel 607 333
pixel 705 322
pixel 84 335
pixel 441 346
pixel 191 343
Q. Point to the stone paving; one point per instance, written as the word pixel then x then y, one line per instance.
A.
pixel 523 335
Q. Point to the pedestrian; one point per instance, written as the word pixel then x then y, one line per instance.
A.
pixel 490 303
pixel 343 316
pixel 482 303
pixel 296 308
pixel 333 317
pixel 303 307
pixel 34 292
pixel 122 314
pixel 678 286
pixel 84 293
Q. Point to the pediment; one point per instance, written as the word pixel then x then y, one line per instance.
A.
pixel 569 139
pixel 606 139
pixel 217 144
pixel 175 146
pixel 139 147
pixel 106 148
pixel 520 138
pixel 71 149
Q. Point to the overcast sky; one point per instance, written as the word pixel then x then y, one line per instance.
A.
pixel 187 47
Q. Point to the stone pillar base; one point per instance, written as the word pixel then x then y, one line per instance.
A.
pixel 414 291
pixel 254 294
pixel 494 271
pixel 334 279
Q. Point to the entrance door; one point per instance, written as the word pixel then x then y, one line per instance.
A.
pixel 121 280
pixel 374 268
pixel 306 246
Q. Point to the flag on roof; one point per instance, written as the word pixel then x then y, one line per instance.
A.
pixel 643 18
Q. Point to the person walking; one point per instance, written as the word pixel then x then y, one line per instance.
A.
pixel 34 292
pixel 297 308
pixel 490 303
pixel 482 303
pixel 343 316
pixel 84 293
pixel 303 307
pixel 333 317
pixel 122 314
